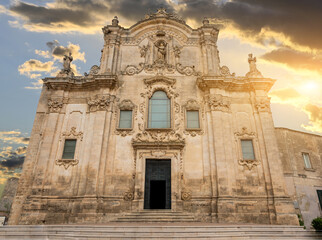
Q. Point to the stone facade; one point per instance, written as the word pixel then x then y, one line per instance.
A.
pixel 209 176
pixel 302 182
pixel 8 195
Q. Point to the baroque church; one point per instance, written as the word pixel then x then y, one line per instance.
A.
pixel 160 126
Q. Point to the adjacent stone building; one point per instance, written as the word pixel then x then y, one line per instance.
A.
pixel 8 195
pixel 301 155
pixel 159 124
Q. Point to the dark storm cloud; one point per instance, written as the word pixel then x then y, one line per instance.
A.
pixel 12 162
pixel 295 59
pixel 299 20
pixel 38 14
pixel 136 9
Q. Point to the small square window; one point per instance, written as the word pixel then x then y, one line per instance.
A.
pixel 193 119
pixel 69 149
pixel 307 162
pixel 125 119
pixel 247 149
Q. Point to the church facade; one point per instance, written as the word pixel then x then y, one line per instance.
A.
pixel 159 124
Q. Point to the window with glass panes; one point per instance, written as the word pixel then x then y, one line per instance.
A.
pixel 307 162
pixel 125 119
pixel 159 111
pixel 193 119
pixel 247 149
pixel 69 149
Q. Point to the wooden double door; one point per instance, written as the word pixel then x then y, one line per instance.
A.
pixel 157 190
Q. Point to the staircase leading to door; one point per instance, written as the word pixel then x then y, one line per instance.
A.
pixel 155 216
pixel 156 231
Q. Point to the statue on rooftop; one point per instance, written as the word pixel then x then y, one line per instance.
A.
pixel 253 71
pixel 67 70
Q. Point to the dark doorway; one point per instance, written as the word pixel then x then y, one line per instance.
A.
pixel 157 192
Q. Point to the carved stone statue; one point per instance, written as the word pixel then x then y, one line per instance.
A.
pixel 161 54
pixel 253 71
pixel 67 61
pixel 67 70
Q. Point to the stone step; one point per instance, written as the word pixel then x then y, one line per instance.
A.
pixel 157 231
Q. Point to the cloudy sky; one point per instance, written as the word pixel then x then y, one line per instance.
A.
pixel 285 36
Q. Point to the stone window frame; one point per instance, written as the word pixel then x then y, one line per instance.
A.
pixel 172 106
pixel 72 134
pixel 245 134
pixel 311 169
pixel 126 105
pixel 192 105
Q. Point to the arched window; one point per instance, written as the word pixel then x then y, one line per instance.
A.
pixel 159 111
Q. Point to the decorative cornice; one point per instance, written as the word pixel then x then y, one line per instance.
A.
pixel 126 104
pixel 192 105
pixel 66 163
pixel 81 82
pixel 232 83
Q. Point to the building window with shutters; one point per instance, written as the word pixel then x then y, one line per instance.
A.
pixel 247 149
pixel 69 149
pixel 306 159
pixel 159 111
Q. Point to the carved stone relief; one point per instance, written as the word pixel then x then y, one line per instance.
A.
pixel 100 102
pixel 185 196
pixel 263 104
pixel 161 57
pixel 225 72
pixel 217 102
pixel 55 105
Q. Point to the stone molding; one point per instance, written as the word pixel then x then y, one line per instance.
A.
pixel 100 102
pixel 233 83
pixel 217 102
pixel 89 82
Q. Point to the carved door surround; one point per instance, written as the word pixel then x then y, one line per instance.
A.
pixel 177 179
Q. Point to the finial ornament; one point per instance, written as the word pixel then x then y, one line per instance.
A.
pixel 253 71
pixel 115 21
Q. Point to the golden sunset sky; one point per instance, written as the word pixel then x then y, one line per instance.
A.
pixel 284 35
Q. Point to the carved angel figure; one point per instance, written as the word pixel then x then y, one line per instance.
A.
pixel 252 63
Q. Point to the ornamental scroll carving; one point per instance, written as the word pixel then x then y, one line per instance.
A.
pixel 247 134
pixel 217 102
pixel 100 102
pixel 263 104
pixel 55 105
pixel 158 137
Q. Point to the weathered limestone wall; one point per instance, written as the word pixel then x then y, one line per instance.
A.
pixel 302 183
